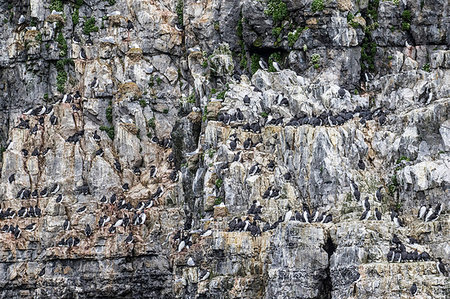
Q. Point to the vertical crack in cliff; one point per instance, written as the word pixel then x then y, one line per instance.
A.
pixel 327 285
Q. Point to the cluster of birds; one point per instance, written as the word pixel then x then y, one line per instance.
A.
pixel 428 214
pixel 251 225
pixel 398 253
pixel 130 215
pixel 324 119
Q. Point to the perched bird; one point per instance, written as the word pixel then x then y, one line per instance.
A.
pixel 96 136
pixel 365 215
pixel 11 178
pixel 88 230
pixel 82 209
pixel 31 227
pixel 441 267
pixel 413 289
pixel 153 171
pixel 83 54
pixel 377 214
pixel 129 239
pixel 66 225
pixel 378 194
pixel 366 203
pixel 422 211
pixel 59 198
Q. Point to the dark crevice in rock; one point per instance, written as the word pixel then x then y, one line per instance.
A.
pixel 327 286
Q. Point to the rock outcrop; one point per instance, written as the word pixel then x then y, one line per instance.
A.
pixel 229 149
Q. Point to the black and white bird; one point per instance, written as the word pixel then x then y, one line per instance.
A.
pixel 422 212
pixel 54 189
pixel 66 225
pixel 441 267
pixel 88 230
pixel 263 64
pixel 271 165
pixel 377 214
pixel 99 152
pixel 82 209
pixel 378 194
pixel 11 178
pixel 125 187
pixel 129 239
pixel 413 289
pixel 113 199
pixel 306 214
pixel 429 213
pixel 365 215
pixel 94 83
pixel 153 171
pixel 59 198
pixel 83 54
pixel 366 203
pixel 398 222
pixel 96 136
pixel 328 219
pixel 130 25
pixel 30 227
pixel 255 169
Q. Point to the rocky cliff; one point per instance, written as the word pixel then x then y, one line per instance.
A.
pixel 227 149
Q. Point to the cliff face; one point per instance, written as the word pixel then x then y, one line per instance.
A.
pixel 155 128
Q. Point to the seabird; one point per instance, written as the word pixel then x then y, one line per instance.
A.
pixel 119 222
pixel 254 169
pixel 377 214
pixel 94 83
pixel 59 198
pixel 276 66
pixel 35 194
pixel 112 229
pixel 341 92
pixel 398 222
pixel 66 225
pixel 413 289
pixel 246 100
pixel 179 28
pixel 181 245
pixel 271 166
pixel 96 136
pixel 153 171
pixel 35 152
pixel 88 230
pixel 81 210
pixel 204 275
pixel 54 189
pixel 130 25
pixel 53 119
pixel 174 176
pixel 30 227
pixel 28 111
pixel 125 187
pixel 287 176
pixel 103 199
pixel 83 54
pixel 247 143
pixel 361 165
pixel 142 217
pixel 22 212
pixel 117 165
pixel 441 267
pixel 378 194
pixel 129 239
pixel 365 215
pixel 429 213
pixel 158 193
pixel 113 198
pixel 61 243
pixel 17 232
pixel 42 273
pixel 263 64
pixel 11 178
pixel 366 203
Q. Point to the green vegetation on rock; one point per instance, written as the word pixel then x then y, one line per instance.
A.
pixel 317 5
pixel 89 25
pixel 277 9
